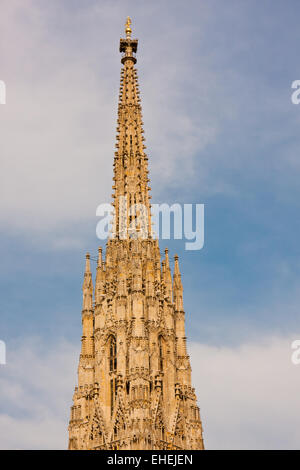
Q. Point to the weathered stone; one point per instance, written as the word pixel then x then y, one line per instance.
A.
pixel 134 376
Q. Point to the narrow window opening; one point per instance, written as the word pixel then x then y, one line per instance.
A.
pixel 160 352
pixel 112 368
pixel 112 354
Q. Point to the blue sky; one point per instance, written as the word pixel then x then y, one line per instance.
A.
pixel 220 127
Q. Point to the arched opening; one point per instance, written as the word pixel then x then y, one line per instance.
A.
pixel 112 354
pixel 112 359
pixel 160 354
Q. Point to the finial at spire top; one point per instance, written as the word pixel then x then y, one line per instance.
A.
pixel 128 30
pixel 128 45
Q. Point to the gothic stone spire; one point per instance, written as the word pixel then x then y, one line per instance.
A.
pixel 134 376
pixel 131 189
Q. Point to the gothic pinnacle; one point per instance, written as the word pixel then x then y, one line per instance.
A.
pixel 177 275
pixel 176 257
pixel 177 285
pixel 87 264
pixel 87 287
pixel 99 264
pixel 167 275
pixel 167 257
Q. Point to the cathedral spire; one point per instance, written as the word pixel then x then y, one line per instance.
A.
pixel 134 377
pixel 131 188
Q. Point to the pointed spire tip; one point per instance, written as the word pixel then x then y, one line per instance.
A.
pixel 87 263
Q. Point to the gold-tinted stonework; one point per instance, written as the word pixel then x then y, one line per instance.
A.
pixel 134 375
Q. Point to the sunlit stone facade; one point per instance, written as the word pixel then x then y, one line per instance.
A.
pixel 134 375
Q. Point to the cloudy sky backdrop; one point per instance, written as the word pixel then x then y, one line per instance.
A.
pixel 220 127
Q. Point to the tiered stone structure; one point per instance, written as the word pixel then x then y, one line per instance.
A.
pixel 134 375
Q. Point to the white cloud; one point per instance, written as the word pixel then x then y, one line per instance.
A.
pixel 249 395
pixel 36 387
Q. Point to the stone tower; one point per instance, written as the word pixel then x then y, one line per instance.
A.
pixel 134 375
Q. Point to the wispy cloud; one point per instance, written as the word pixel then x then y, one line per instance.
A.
pixel 36 390
pixel 249 395
pixel 58 127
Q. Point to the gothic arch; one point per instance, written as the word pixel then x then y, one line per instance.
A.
pixel 112 353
